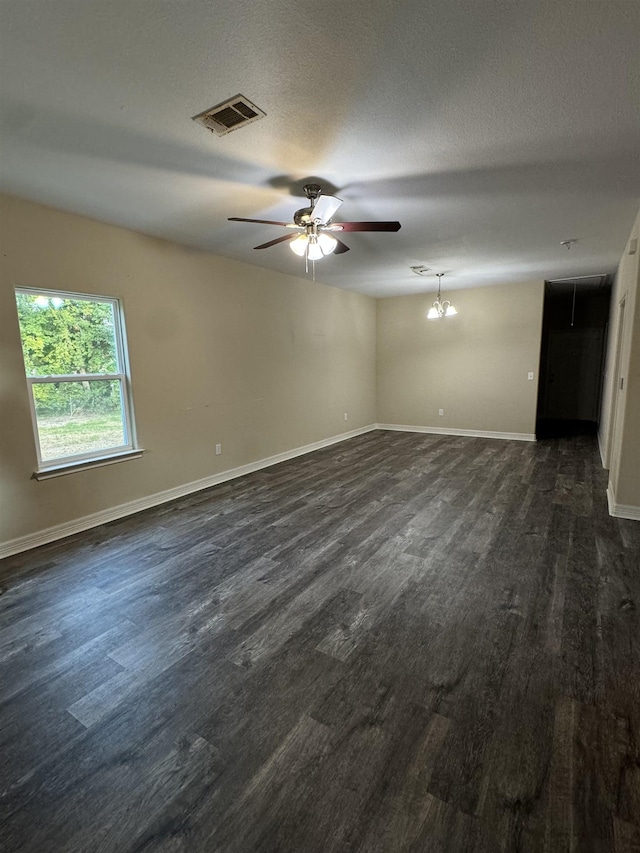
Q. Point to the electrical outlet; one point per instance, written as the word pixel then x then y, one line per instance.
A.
pixel 530 374
pixel 441 412
pixel 346 416
pixel 218 449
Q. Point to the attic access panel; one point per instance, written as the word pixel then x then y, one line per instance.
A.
pixel 230 115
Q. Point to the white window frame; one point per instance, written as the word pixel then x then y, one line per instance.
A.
pixel 105 455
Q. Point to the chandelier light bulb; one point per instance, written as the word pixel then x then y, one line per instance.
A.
pixel 299 245
pixel 314 252
pixel 327 243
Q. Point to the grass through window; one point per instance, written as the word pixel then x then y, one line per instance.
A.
pixel 68 436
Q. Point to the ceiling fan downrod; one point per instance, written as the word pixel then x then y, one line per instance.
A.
pixel 304 216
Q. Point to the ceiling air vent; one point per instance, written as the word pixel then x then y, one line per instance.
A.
pixel 229 115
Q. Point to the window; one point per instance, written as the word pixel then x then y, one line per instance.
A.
pixel 75 361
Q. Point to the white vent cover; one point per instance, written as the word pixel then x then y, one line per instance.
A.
pixel 420 270
pixel 229 115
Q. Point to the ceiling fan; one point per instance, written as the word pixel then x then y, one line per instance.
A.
pixel 314 236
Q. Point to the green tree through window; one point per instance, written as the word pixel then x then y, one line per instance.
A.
pixel 74 361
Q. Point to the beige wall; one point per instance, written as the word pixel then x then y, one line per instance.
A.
pixel 620 421
pixel 223 352
pixel 473 365
pixel 220 352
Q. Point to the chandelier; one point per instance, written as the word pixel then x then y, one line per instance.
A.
pixel 439 308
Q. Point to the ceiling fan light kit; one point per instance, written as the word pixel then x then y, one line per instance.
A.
pixel 440 308
pixel 313 238
pixel 314 245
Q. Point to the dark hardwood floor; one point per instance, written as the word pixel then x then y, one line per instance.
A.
pixel 401 643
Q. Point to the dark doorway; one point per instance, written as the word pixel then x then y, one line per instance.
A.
pixel 574 335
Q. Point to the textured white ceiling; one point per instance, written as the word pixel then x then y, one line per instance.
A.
pixel 491 130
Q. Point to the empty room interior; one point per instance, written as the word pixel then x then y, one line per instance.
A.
pixel 320 426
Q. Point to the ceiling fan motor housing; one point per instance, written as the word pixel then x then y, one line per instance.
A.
pixel 302 217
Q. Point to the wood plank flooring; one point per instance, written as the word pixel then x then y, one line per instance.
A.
pixel 401 643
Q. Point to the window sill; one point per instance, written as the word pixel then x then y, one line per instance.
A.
pixel 59 470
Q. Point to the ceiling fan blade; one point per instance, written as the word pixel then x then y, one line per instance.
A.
pixel 325 207
pixel 340 248
pixel 276 241
pixel 259 221
pixel 368 226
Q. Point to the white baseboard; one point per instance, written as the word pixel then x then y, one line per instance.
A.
pixel 473 433
pixel 621 510
pixel 77 525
